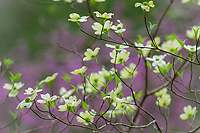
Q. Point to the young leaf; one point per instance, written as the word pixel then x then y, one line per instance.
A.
pixel 103 94
pixel 148 64
pixel 117 79
pixel 152 26
pixel 180 59
pixel 85 106
pixel 13 115
pixel 180 42
pixel 74 88
pixel 67 78
pixel 139 94
pixel 8 62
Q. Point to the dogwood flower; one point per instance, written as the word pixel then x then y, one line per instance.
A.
pixel 145 49
pixel 117 47
pixel 104 15
pixel 157 60
pixel 27 102
pixel 100 29
pixel 90 54
pixel 49 79
pixel 71 102
pixel 191 34
pixel 80 1
pixel 119 88
pixel 119 57
pixel 191 48
pixel 188 112
pixel 74 17
pixel 164 100
pixel 129 72
pixel 163 66
pixel 30 91
pixel 79 71
pixel 86 117
pixel 171 46
pixel 63 92
pixel 145 5
pixel 161 92
pixel 14 89
pixel 118 28
pixel 47 98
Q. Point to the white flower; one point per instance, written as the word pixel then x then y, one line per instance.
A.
pixel 117 47
pixel 118 28
pixel 119 57
pixel 113 113
pixel 119 88
pixel 86 117
pixel 129 72
pixel 190 33
pixel 185 1
pixel 161 92
pixel 74 17
pixel 49 79
pixel 104 15
pixel 80 1
pixel 164 100
pixel 191 48
pixel 63 92
pixel 96 80
pixel 90 54
pixel 145 5
pixel 100 29
pixel 69 1
pixel 47 98
pixel 145 49
pixel 72 102
pixel 30 91
pixel 171 45
pixel 188 112
pixel 14 89
pixel 163 66
pixel 157 60
pixel 27 102
pixel 79 71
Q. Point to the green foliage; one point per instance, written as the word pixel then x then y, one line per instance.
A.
pixel 85 106
pixel 152 26
pixel 8 62
pixel 141 39
pixel 14 115
pixel 171 37
pixel 67 78
pixel 148 64
pixel 15 78
pixel 74 88
pixel 117 79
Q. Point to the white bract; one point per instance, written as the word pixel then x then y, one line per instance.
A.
pixel 31 91
pixel 164 100
pixel 188 112
pixel 99 29
pixel 129 72
pixel 49 79
pixel 71 102
pixel 119 28
pixel 63 92
pixel 119 88
pixel 14 89
pixel 79 71
pixel 157 60
pixel 90 54
pixel 104 15
pixel 145 5
pixel 191 48
pixel 161 92
pixel 191 34
pixel 99 0
pixel 119 57
pixel 47 98
pixel 117 47
pixel 86 117
pixel 74 17
pixel 171 46
pixel 145 49
pixel 27 102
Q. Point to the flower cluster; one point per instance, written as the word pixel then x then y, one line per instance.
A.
pixel 163 99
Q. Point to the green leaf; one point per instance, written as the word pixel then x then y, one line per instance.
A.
pixel 67 78
pixel 152 26
pixel 180 59
pixel 14 78
pixel 13 115
pixel 140 39
pixel 74 88
pixel 169 66
pixel 111 77
pixel 53 104
pixel 196 32
pixel 103 94
pixel 148 64
pixel 117 79
pixel 85 106
pixel 8 62
pixel 171 37
pixel 181 42
pixel 139 94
